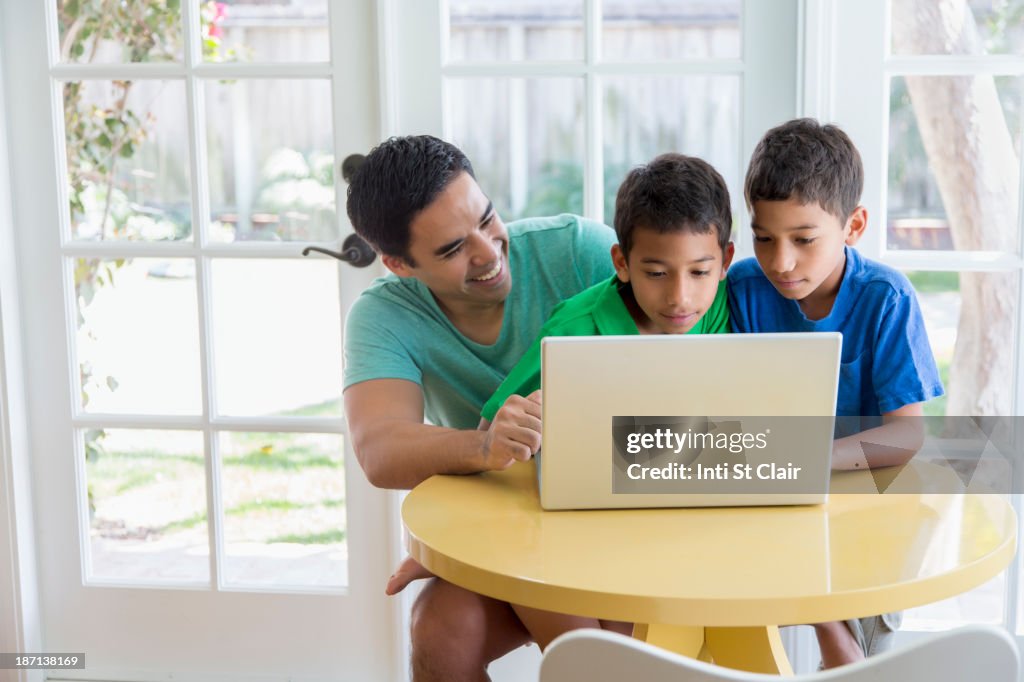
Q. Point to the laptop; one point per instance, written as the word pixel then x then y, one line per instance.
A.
pixel 687 421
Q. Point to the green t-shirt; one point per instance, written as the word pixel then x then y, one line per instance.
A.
pixel 598 311
pixel 395 329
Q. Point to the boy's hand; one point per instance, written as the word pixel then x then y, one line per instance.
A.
pixel 407 571
pixel 892 444
pixel 514 435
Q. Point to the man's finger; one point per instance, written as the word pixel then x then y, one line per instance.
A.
pixel 530 438
pixel 532 405
pixel 524 444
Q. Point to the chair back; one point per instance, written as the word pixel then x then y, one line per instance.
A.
pixel 970 654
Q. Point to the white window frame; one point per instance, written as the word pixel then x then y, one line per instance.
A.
pixel 193 71
pixel 19 589
pixel 861 63
pixel 36 203
pixel 422 64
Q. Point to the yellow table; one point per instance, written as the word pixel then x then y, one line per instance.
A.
pixel 713 583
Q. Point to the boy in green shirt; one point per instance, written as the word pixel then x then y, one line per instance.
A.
pixel 672 220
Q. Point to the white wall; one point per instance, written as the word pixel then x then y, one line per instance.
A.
pixel 19 606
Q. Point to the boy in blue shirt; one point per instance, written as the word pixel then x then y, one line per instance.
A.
pixel 802 189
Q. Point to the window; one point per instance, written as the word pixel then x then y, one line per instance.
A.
pixel 554 102
pixel 933 98
pixel 185 358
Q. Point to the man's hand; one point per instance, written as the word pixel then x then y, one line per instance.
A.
pixel 514 435
pixel 407 571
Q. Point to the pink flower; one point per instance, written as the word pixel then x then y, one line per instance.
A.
pixel 214 13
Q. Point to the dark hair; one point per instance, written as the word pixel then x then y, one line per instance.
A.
pixel 399 178
pixel 809 162
pixel 673 193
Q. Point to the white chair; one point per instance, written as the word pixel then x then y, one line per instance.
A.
pixel 970 654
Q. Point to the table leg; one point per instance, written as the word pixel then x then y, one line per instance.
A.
pixel 687 640
pixel 757 649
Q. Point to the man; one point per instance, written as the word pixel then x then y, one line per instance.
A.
pixel 434 339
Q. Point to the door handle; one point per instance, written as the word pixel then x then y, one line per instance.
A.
pixel 354 250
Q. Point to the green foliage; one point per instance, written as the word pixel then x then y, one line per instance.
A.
pixel 327 408
pixel 97 137
pixel 558 188
pixel 300 190
pixel 926 282
pixel 1004 25
pixel 936 407
pixel 287 459
pixel 146 31
pixel 325 538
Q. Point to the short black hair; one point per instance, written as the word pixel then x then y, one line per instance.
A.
pixel 673 193
pixel 807 161
pixel 399 178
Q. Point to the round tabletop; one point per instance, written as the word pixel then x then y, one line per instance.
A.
pixel 859 554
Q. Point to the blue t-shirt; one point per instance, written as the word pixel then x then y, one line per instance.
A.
pixel 395 329
pixel 887 361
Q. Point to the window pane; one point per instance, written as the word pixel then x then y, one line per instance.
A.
pixel 147 505
pixel 525 140
pixel 514 30
pixel 105 32
pixel 271 156
pixel 284 509
pixel 265 30
pixel 969 317
pixel 138 336
pixel 953 179
pixel 670 29
pixel 277 337
pixel 647 116
pixel 127 158
pixel 977 27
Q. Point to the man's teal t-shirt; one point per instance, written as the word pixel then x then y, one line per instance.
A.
pixel 395 329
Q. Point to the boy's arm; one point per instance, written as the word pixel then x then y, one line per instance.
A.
pixel 397 450
pixel 522 380
pixel 894 443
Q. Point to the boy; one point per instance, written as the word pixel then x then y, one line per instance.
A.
pixel 672 220
pixel 802 189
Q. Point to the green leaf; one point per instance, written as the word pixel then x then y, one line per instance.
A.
pixel 112 383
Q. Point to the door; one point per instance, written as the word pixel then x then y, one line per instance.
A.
pixel 200 514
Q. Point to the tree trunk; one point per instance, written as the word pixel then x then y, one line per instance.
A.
pixel 970 151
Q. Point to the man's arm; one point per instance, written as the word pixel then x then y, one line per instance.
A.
pixel 893 443
pixel 397 450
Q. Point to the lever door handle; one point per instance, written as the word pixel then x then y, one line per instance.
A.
pixel 354 251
